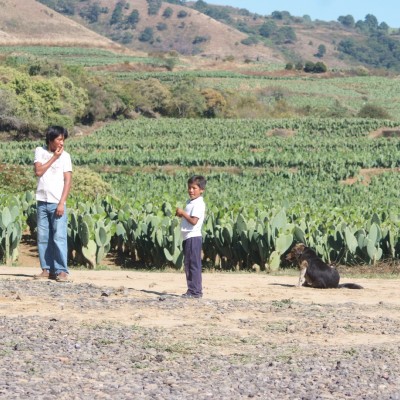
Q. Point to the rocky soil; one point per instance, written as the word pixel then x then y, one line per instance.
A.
pixel 265 339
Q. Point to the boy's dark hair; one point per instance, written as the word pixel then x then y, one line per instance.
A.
pixel 198 180
pixel 53 132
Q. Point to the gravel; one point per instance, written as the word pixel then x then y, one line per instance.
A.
pixel 245 350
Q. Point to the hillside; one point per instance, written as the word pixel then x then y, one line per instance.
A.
pixel 169 27
pixel 218 32
pixel 200 29
pixel 28 22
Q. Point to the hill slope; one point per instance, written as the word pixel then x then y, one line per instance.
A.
pixel 198 28
pixel 170 27
pixel 28 22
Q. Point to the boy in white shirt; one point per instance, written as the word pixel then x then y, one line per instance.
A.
pixel 53 168
pixel 192 222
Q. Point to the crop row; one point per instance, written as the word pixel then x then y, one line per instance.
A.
pixel 150 235
pixel 257 171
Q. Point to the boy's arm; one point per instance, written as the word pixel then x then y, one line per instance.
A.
pixel 65 193
pixel 40 168
pixel 182 213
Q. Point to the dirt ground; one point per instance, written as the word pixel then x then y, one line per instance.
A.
pixel 261 292
pixel 222 287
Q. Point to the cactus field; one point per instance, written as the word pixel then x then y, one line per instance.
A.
pixel 271 183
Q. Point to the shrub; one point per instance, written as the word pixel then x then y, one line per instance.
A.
pixel 200 39
pixel 153 6
pixel 249 41
pixel 133 18
pixel 161 26
pixel 182 14
pixel 319 67
pixel 373 111
pixel 168 12
pixel 215 102
pixel 309 66
pixel 16 178
pixel 146 35
pixel 89 183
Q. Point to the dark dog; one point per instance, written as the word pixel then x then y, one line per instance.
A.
pixel 314 272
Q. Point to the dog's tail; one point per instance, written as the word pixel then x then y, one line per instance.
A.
pixel 350 286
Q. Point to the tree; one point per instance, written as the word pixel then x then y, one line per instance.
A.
pixel 91 13
pixel 215 102
pixel 298 66
pixel 133 18
pixel 383 27
pixel 117 14
pixel 186 101
pixel 150 95
pixel 277 15
pixel 321 51
pixel 162 26
pixel 319 67
pixel 309 66
pixel 286 34
pixel 347 21
pixel 371 22
pixel 168 12
pixel 182 14
pixel 146 35
pixel 154 6
pixel 200 5
pixel 268 29
pixel 280 15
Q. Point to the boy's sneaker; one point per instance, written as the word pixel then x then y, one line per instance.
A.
pixel 191 296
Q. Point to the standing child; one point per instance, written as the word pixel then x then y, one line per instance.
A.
pixel 53 168
pixel 192 221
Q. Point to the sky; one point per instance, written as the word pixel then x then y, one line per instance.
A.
pixel 326 10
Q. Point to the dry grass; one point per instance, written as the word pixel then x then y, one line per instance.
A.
pixel 31 23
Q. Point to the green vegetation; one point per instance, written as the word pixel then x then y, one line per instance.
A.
pixel 270 183
pixel 36 92
pixel 277 149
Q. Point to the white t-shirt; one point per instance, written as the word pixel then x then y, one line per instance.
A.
pixel 51 183
pixel 195 208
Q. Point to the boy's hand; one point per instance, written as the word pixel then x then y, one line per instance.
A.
pixel 59 150
pixel 179 212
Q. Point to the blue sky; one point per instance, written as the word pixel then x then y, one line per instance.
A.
pixel 327 10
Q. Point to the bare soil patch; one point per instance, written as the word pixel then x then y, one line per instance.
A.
pixel 281 132
pixel 385 133
pixel 366 174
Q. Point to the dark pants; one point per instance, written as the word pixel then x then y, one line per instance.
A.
pixel 192 261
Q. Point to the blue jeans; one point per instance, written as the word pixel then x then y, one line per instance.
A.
pixel 52 238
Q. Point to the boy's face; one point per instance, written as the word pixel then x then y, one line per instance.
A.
pixel 194 191
pixel 57 143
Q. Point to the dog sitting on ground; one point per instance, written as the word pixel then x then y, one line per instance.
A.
pixel 314 272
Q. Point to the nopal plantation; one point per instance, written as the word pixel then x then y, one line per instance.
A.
pixel 294 122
